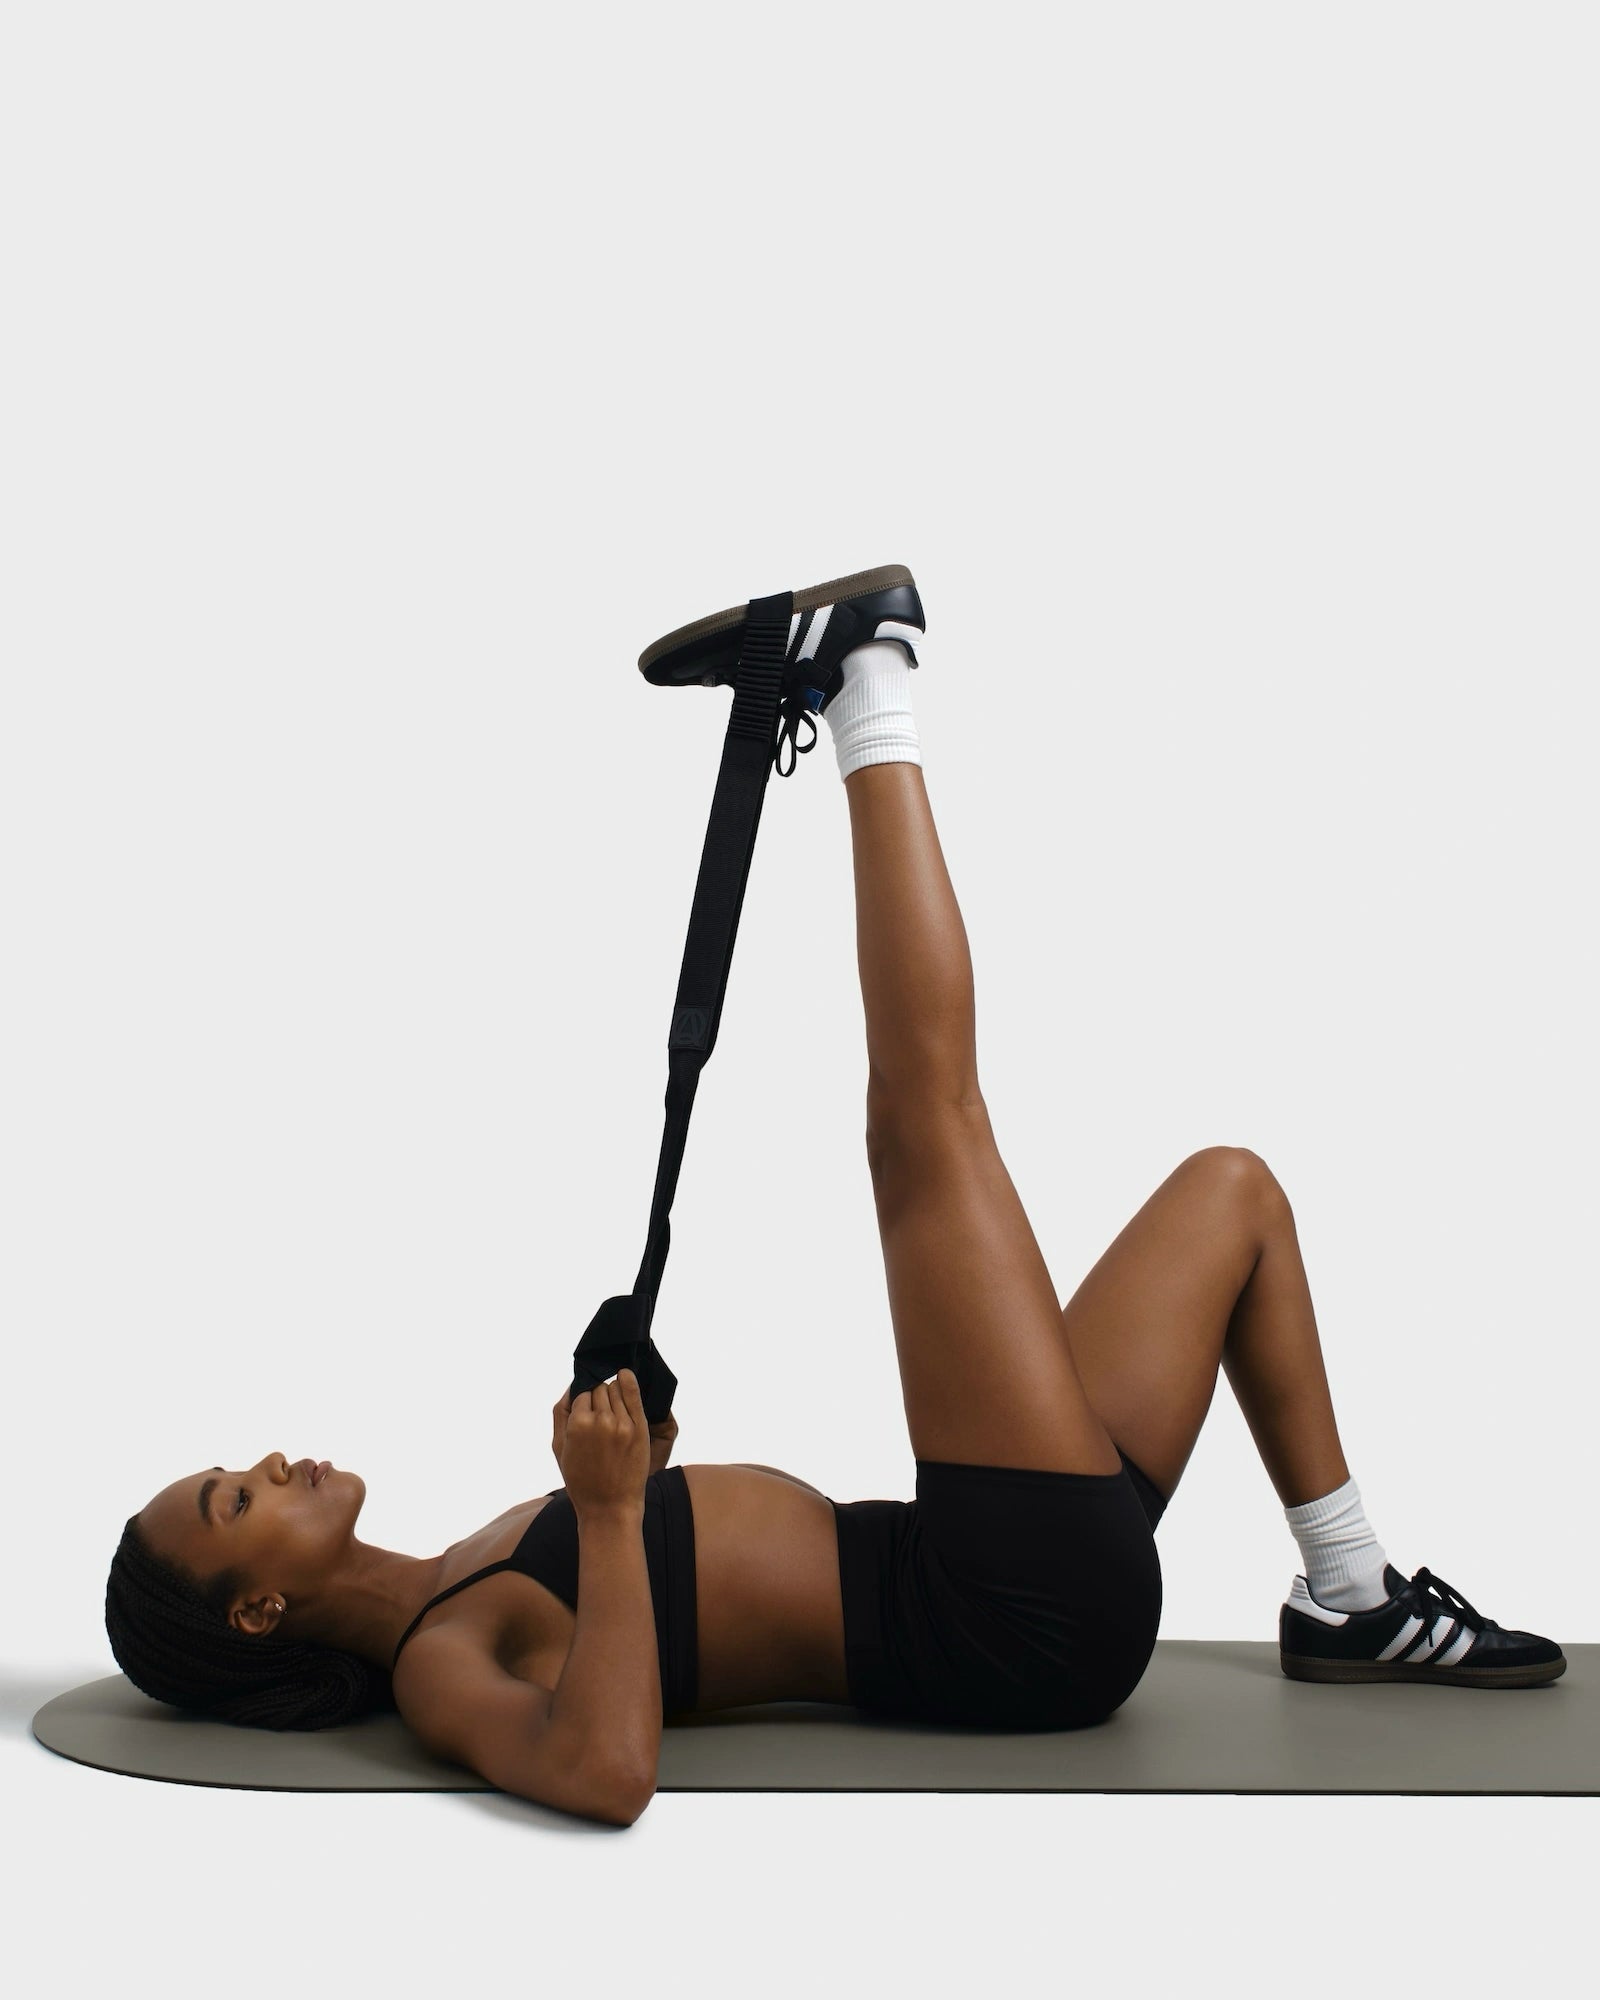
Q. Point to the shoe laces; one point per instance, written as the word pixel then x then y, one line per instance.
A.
pixel 1435 1595
pixel 795 709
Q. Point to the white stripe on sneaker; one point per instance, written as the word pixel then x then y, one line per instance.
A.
pixel 1459 1650
pixel 819 625
pixel 1444 1630
pixel 1403 1638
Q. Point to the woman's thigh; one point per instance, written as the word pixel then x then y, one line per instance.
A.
pixel 1148 1323
pixel 986 1376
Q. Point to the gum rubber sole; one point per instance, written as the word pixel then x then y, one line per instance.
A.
pixel 840 588
pixel 1346 1673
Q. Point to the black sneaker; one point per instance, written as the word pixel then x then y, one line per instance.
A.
pixel 1425 1631
pixel 829 619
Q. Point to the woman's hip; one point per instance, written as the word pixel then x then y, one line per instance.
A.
pixel 1001 1597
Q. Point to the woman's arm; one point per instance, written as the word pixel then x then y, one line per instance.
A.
pixel 606 1707
pixel 607 1702
pixel 464 1706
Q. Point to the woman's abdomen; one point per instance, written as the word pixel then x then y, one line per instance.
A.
pixel 771 1624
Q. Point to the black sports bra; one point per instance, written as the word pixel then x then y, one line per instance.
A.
pixel 548 1552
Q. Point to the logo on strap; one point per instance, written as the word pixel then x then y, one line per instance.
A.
pixel 691 1028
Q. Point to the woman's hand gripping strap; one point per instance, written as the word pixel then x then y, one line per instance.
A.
pixel 615 1338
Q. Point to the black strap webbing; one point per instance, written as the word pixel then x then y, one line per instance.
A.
pixel 619 1334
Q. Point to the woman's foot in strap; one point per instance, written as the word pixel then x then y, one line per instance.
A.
pixel 829 620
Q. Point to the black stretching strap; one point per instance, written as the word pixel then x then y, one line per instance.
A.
pixel 619 1334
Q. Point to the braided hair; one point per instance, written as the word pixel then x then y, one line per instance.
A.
pixel 171 1637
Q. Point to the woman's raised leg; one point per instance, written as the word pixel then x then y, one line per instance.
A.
pixel 1208 1274
pixel 986 1375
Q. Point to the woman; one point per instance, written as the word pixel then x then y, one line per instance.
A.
pixel 1020 1589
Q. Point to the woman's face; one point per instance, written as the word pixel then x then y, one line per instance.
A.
pixel 284 1533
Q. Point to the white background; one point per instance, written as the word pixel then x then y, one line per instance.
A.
pixel 377 382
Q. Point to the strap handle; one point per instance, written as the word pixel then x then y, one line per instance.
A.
pixel 619 1334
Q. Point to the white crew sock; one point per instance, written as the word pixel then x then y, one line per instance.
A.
pixel 1344 1559
pixel 871 716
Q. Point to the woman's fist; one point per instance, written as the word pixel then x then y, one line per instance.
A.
pixel 602 1444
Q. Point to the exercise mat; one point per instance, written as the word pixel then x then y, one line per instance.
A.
pixel 1209 1716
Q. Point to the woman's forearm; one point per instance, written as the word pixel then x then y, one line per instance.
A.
pixel 608 1699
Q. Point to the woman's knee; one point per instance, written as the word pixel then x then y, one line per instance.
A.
pixel 1241 1177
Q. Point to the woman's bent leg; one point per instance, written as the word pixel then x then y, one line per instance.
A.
pixel 1209 1274
pixel 987 1377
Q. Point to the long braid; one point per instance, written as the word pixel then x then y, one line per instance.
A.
pixel 171 1637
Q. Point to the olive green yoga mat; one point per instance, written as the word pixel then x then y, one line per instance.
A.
pixel 1209 1716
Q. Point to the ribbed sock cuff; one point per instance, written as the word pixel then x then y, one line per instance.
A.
pixel 1338 1547
pixel 871 716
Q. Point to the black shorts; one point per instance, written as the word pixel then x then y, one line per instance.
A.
pixel 1001 1598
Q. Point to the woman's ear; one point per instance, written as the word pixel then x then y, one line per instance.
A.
pixel 258 1617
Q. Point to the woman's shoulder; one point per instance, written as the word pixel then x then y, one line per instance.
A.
pixel 467 1618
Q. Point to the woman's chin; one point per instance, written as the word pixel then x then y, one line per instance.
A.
pixel 345 1488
